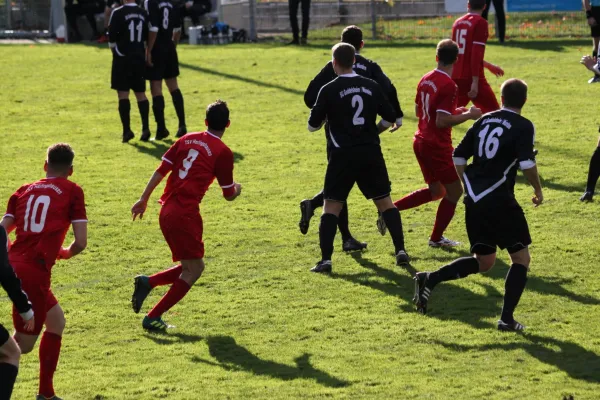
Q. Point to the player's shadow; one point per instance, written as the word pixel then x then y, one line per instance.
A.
pixel 575 360
pixel 167 338
pixel 158 149
pixel 234 357
pixel 241 78
pixel 541 45
pixel 548 184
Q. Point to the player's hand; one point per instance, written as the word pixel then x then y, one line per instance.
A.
pixel 149 59
pixel 475 112
pixel 64 254
pixel 474 90
pixel 29 325
pixel 139 209
pixel 588 61
pixel 537 199
pixel 592 21
pixel 496 70
pixel 397 125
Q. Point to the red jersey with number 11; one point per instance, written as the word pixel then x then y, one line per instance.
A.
pixel 194 161
pixel 43 212
pixel 468 31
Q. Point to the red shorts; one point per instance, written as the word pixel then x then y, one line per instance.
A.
pixel 36 283
pixel 436 162
pixel 485 100
pixel 182 229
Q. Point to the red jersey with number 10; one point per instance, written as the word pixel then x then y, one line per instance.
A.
pixel 468 31
pixel 195 161
pixel 43 212
pixel 436 93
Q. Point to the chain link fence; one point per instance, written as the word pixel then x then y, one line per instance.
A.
pixel 25 17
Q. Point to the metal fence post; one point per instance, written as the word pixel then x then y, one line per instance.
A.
pixel 373 20
pixel 252 9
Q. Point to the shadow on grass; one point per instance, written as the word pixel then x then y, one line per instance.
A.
pixel 548 184
pixel 233 357
pixel 576 361
pixel 166 338
pixel 158 149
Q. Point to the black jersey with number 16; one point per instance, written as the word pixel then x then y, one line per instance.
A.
pixel 164 20
pixel 350 104
pixel 499 142
pixel 128 31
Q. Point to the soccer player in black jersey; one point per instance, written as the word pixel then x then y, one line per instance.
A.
pixel 594 170
pixel 128 33
pixel 369 69
pixel 163 63
pixel 9 349
pixel 350 105
pixel 499 142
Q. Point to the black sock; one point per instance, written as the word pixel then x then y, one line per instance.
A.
pixel 327 231
pixel 594 171
pixel 595 54
pixel 343 224
pixel 457 269
pixel 158 108
pixel 124 109
pixel 393 222
pixel 8 372
pixel 144 107
pixel 514 286
pixel 178 103
pixel 317 201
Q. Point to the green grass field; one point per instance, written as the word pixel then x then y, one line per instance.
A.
pixel 258 324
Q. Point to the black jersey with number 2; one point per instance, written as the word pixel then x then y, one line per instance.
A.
pixel 350 104
pixel 499 142
pixel 164 20
pixel 128 31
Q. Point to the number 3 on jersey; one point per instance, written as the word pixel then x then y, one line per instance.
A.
pixel 31 213
pixel 187 163
pixel 461 40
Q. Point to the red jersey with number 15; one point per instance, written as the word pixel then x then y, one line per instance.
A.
pixel 468 31
pixel 436 93
pixel 195 161
pixel 43 212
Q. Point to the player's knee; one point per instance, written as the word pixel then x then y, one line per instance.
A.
pixel 25 347
pixel 10 352
pixel 438 191
pixel 522 257
pixel 486 262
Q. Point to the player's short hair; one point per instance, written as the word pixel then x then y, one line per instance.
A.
pixel 217 115
pixel 447 52
pixel 514 93
pixel 353 35
pixel 344 53
pixel 60 157
pixel 477 4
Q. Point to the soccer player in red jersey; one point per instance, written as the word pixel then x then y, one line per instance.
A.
pixel 435 106
pixel 41 212
pixel 193 163
pixel 470 32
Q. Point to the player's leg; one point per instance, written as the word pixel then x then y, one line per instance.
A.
pixel 307 210
pixel 391 216
pixel 143 284
pixel 144 109
pixel 125 115
pixel 516 279
pixel 593 175
pixel 349 243
pixel 305 20
pixel 293 5
pixel 9 363
pixel 595 33
pixel 446 209
pixel 500 19
pixel 486 98
pixel 327 231
pixel 50 345
pixel 177 98
pixel 158 107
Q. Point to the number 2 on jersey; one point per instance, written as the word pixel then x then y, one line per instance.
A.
pixel 187 163
pixel 357 119
pixel 491 143
pixel 461 40
pixel 31 213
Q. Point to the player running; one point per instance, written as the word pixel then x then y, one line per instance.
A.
pixel 500 142
pixel 470 32
pixel 163 63
pixel 369 69
pixel 128 33
pixel 435 106
pixel 594 169
pixel 193 163
pixel 41 212
pixel 9 349
pixel 350 104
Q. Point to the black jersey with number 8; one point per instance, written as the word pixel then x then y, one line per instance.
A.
pixel 164 19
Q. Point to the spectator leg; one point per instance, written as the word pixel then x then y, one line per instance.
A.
pixel 500 19
pixel 294 18
pixel 305 17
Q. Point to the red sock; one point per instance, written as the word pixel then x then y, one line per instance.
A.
pixel 414 199
pixel 166 277
pixel 49 352
pixel 443 217
pixel 172 297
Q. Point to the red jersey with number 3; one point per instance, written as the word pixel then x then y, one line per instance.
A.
pixel 436 93
pixel 468 31
pixel 195 161
pixel 43 212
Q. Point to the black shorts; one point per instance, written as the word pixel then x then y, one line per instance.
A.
pixel 128 74
pixel 4 335
pixel 165 63
pixel 504 226
pixel 595 29
pixel 363 165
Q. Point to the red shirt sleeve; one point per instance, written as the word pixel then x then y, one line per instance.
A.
pixel 480 33
pixel 224 172
pixel 11 208
pixel 169 159
pixel 480 37
pixel 77 212
pixel 447 99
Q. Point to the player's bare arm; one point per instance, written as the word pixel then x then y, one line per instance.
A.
pixel 589 63
pixel 444 120
pixel 494 69
pixel 532 176
pixel 79 243
pixel 139 207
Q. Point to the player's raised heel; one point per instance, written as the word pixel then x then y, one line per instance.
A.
pixel 323 267
pixel 306 213
pixel 353 245
pixel 141 290
pixel 510 327
pixel 402 259
pixel 127 136
pixel 381 226
pixel 155 324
